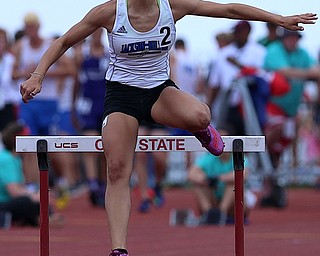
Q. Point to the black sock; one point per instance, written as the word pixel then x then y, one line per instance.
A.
pixel 121 250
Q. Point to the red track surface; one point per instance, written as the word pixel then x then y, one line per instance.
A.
pixel 293 231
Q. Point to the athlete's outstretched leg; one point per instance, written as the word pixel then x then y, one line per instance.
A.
pixel 179 109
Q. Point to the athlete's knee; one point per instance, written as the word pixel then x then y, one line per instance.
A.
pixel 201 118
pixel 117 171
pixel 205 116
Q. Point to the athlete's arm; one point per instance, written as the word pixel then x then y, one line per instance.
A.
pixel 180 8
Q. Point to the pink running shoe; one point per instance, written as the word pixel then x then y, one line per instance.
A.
pixel 118 253
pixel 211 140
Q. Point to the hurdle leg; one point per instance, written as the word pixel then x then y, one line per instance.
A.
pixel 42 154
pixel 238 162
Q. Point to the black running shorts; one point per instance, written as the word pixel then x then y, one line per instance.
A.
pixel 134 101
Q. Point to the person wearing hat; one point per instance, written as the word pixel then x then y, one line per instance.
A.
pixel 296 64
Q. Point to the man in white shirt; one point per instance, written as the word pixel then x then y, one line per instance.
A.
pixel 223 73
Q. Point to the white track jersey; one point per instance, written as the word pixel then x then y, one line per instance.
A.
pixel 141 59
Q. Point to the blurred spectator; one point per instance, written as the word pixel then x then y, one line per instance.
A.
pixel 221 39
pixel 295 63
pixel 185 71
pixel 15 198
pixel 148 166
pixel 272 35
pixel 213 183
pixel 226 99
pixel 309 135
pixel 17 36
pixel 67 172
pixel 9 90
pixel 40 113
pixel 92 60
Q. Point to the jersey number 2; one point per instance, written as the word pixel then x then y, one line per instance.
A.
pixel 166 31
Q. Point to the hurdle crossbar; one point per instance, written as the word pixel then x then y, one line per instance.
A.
pixel 144 143
pixel 44 144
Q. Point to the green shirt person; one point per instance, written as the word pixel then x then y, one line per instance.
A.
pixel 285 55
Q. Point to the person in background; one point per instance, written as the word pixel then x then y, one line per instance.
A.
pixel 21 203
pixel 316 117
pixel 92 60
pixel 66 165
pixel 139 85
pixel 185 70
pixel 223 95
pixel 212 179
pixel 221 40
pixel 296 64
pixel 40 114
pixel 9 90
pixel 151 169
pixel 17 36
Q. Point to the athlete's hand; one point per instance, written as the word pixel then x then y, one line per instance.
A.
pixel 30 88
pixel 293 22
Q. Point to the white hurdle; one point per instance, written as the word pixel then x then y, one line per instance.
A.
pixel 45 144
pixel 144 143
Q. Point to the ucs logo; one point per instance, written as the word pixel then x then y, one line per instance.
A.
pixel 66 145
